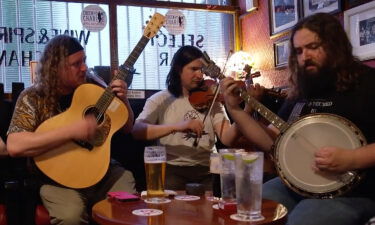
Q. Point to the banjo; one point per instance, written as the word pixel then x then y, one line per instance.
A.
pixel 293 151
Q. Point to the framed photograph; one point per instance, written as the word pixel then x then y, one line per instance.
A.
pixel 353 3
pixel 315 6
pixel 281 53
pixel 360 26
pixel 283 15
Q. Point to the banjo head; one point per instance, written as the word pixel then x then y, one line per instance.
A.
pixel 295 148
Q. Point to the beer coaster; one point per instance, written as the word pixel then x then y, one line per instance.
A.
pixel 187 197
pixel 238 217
pixel 215 206
pixel 163 201
pixel 170 193
pixel 147 212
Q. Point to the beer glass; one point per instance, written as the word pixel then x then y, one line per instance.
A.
pixel 249 179
pixel 155 161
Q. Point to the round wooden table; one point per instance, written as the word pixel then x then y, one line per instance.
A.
pixel 198 212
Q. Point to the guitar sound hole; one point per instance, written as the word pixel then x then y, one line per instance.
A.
pixel 94 111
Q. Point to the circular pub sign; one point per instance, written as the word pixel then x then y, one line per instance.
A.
pixel 93 18
pixel 175 22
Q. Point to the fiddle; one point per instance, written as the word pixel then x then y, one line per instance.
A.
pixel 201 98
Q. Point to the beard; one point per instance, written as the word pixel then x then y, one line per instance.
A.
pixel 318 83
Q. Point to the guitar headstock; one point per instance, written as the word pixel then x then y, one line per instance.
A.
pixel 154 25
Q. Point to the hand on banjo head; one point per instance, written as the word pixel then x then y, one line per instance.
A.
pixel 333 159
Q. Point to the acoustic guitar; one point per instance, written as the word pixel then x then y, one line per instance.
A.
pixel 79 164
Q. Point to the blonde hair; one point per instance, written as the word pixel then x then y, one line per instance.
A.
pixel 52 61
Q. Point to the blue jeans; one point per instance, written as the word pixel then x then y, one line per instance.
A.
pixel 305 211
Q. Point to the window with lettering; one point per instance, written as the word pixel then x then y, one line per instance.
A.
pixel 26 27
pixel 210 31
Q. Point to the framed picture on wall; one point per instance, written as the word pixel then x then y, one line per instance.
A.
pixel 281 53
pixel 315 6
pixel 283 15
pixel 360 26
pixel 353 3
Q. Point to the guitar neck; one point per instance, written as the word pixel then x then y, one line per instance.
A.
pixel 127 67
pixel 105 100
pixel 264 111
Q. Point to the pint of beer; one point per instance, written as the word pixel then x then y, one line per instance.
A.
pixel 155 159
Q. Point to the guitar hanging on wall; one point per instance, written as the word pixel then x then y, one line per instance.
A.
pixel 79 164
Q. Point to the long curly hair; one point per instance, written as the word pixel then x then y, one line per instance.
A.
pixel 337 46
pixel 182 57
pixel 53 60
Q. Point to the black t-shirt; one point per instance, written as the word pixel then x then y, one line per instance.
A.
pixel 356 105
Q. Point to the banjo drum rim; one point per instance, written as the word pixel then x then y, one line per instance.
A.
pixel 322 195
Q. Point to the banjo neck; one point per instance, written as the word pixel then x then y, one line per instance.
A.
pixel 212 70
pixel 264 111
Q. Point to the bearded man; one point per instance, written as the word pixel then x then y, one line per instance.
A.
pixel 325 77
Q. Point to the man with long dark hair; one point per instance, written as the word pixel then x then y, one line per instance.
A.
pixel 169 118
pixel 62 68
pixel 325 78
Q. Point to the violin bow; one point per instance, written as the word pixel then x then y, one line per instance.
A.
pixel 196 141
pixel 206 70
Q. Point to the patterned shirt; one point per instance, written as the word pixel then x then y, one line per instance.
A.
pixel 30 111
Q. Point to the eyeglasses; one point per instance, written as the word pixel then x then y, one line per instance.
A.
pixel 78 64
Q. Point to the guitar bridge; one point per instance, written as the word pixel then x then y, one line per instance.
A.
pixel 84 144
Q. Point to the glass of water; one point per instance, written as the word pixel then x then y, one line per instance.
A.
pixel 227 176
pixel 249 179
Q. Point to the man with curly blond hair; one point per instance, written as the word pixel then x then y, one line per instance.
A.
pixel 62 68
